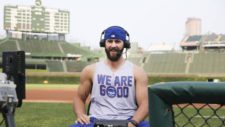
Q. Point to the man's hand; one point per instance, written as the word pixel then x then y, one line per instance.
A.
pixel 83 119
pixel 130 124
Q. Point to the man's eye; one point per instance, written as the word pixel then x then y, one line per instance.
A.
pixel 117 41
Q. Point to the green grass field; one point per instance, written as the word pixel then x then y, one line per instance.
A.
pixel 44 115
pixel 61 115
pixel 205 117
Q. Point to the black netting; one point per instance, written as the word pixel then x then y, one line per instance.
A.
pixel 199 115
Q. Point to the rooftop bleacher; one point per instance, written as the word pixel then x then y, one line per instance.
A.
pixel 207 42
pixel 210 37
pixel 194 38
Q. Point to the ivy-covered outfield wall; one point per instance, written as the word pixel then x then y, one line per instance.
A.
pixel 74 78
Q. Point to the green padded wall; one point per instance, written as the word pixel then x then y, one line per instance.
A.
pixel 163 95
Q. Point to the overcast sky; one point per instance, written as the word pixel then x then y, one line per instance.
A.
pixel 149 22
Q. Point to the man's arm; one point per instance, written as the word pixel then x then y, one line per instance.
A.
pixel 141 80
pixel 82 93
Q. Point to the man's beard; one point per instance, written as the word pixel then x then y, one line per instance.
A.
pixel 117 56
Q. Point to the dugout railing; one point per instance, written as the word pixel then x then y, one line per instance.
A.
pixel 172 99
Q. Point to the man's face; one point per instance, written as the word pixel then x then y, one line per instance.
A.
pixel 114 49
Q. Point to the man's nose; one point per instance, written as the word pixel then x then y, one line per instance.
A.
pixel 113 44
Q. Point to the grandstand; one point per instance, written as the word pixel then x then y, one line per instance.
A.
pixel 165 63
pixel 36 64
pixel 136 60
pixel 55 66
pixel 61 56
pixel 75 66
pixel 9 46
pixel 136 54
pixel 207 63
pixel 50 55
pixel 43 48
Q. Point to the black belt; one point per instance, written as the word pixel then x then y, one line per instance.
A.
pixel 111 123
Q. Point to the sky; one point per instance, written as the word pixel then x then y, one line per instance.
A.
pixel 149 22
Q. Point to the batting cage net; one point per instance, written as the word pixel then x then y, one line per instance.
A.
pixel 187 104
pixel 199 115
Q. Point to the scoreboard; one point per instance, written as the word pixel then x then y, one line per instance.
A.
pixel 36 18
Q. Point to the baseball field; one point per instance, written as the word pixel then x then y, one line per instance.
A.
pixel 46 106
pixel 50 105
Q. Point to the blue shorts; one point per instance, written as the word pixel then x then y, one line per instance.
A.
pixel 92 120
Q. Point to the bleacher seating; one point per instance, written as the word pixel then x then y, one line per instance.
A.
pixel 9 45
pixel 208 63
pixel 75 66
pixel 153 63
pixel 135 60
pixel 55 66
pixel 40 53
pixel 165 63
pixel 73 49
pixel 42 48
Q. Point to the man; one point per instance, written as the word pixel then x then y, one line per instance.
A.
pixel 118 88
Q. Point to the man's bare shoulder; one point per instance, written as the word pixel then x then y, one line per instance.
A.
pixel 139 72
pixel 89 69
pixel 138 69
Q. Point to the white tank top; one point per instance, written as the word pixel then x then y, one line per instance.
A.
pixel 113 93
